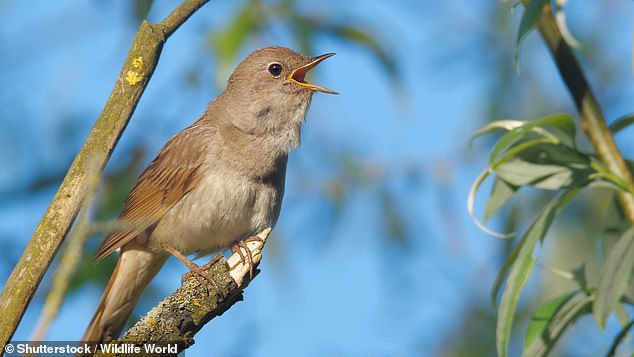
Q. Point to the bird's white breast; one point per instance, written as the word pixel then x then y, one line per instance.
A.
pixel 225 207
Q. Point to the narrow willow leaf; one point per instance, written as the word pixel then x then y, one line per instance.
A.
pixel 566 313
pixel 471 203
pixel 521 263
pixel 507 125
pixel 501 193
pixel 557 128
pixel 511 258
pixel 517 279
pixel 542 318
pixel 614 278
pixel 562 122
pixel 621 123
pixel 530 18
pixel 545 166
pixel 553 129
pixel 621 313
pixel 507 141
pixel 526 143
pixel 561 154
pixel 522 173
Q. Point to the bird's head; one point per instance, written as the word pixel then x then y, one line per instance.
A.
pixel 270 94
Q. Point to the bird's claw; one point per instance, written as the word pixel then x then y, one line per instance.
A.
pixel 239 245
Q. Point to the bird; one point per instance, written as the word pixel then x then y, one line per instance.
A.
pixel 215 183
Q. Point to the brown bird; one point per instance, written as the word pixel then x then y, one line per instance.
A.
pixel 217 182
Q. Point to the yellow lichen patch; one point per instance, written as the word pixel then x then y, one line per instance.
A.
pixel 137 62
pixel 133 78
pixel 196 302
pixel 151 321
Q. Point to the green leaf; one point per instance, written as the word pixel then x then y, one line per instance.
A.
pixel 621 313
pixel 507 141
pixel 496 125
pixel 542 317
pixel 501 193
pixel 521 262
pixel 614 278
pixel 559 155
pixel 564 124
pixel 530 18
pixel 548 177
pixel 545 166
pixel 552 165
pixel 471 203
pixel 553 129
pixel 508 124
pixel 517 279
pixel 622 123
pixel 557 128
pixel 550 320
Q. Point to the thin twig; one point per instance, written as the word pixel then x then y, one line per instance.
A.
pixel 593 122
pixel 67 265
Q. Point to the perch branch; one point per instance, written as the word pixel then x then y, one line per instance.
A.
pixel 49 234
pixel 181 315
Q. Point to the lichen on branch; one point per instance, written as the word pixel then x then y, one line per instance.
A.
pixel 182 314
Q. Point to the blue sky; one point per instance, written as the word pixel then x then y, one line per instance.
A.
pixel 328 287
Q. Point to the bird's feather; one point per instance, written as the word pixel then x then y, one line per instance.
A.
pixel 169 177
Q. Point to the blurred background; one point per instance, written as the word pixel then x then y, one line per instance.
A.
pixel 374 253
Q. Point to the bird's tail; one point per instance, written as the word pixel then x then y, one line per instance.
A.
pixel 134 271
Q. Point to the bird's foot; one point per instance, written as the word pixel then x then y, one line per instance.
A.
pixel 242 244
pixel 196 271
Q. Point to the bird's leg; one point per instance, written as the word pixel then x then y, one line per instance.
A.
pixel 196 270
pixel 237 247
pixel 212 261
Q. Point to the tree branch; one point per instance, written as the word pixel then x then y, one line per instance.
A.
pixel 592 120
pixel 49 235
pixel 177 318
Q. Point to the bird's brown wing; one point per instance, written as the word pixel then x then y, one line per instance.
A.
pixel 172 174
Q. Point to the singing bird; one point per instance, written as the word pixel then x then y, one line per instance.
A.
pixel 215 183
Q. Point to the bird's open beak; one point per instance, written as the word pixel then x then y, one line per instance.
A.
pixel 299 74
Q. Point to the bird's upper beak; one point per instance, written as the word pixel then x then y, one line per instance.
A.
pixel 298 74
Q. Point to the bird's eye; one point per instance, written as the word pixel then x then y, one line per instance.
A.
pixel 275 69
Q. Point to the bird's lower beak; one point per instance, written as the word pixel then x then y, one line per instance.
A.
pixel 299 74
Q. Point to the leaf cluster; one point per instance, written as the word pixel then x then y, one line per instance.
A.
pixel 543 154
